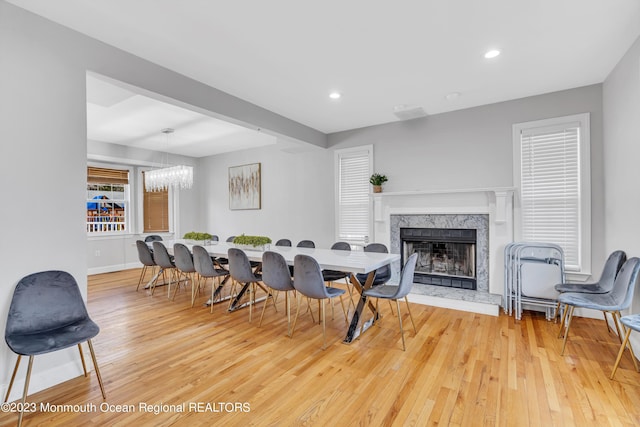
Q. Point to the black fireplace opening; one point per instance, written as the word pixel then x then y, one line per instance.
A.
pixel 446 256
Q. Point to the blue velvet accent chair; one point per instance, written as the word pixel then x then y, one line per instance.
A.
pixel 275 274
pixel 46 314
pixel 206 268
pixel 631 323
pixel 184 263
pixel 308 281
pixel 145 255
pixel 395 293
pixel 603 285
pixel 617 299
pixel 241 272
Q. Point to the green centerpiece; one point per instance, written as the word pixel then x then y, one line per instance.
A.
pixel 198 238
pixel 260 243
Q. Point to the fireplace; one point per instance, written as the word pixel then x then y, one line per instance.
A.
pixel 446 256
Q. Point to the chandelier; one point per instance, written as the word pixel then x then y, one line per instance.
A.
pixel 180 176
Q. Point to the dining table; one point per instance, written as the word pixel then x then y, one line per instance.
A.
pixel 353 262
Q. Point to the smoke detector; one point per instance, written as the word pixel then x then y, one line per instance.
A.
pixel 408 112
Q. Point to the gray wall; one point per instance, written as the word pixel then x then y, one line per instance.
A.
pixel 44 151
pixel 473 148
pixel 621 100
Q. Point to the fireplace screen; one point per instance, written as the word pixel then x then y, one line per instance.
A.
pixel 446 257
pixel 451 259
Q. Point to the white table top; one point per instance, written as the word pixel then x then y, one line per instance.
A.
pixel 330 259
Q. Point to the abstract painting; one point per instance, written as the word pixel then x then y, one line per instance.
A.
pixel 244 187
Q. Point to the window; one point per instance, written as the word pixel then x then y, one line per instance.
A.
pixel 107 200
pixel 552 173
pixel 353 213
pixel 155 210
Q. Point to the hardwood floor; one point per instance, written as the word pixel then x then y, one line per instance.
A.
pixel 459 369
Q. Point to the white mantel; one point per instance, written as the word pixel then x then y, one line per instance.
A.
pixel 497 203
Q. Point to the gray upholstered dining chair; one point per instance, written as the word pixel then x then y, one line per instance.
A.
pixel 46 314
pixel 275 274
pixel 617 299
pixel 395 293
pixel 166 263
pixel 241 272
pixel 153 238
pixel 603 285
pixel 632 323
pixel 308 281
pixel 330 276
pixel 283 242
pixel 306 244
pixel 145 255
pixel 205 267
pixel 184 263
pixel 383 274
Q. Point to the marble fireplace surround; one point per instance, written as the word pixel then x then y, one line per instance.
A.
pixel 488 210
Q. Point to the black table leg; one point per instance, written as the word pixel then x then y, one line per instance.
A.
pixel 354 331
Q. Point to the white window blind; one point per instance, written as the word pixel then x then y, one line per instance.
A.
pixel 550 188
pixel 353 217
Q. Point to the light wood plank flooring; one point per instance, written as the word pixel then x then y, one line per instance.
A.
pixel 459 369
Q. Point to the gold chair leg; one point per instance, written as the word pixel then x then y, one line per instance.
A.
pixel 562 322
pixel 13 377
pixel 344 311
pixel 251 299
pixel 404 348
pixel 26 390
pixel 264 307
pixel 406 300
pixel 84 365
pixel 616 316
pixel 95 366
pixel 566 334
pixel 606 322
pixel 295 319
pixel 215 282
pixel 287 302
pixel 324 323
pixel 142 274
pixel 622 346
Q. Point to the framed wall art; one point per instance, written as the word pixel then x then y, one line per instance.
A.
pixel 244 187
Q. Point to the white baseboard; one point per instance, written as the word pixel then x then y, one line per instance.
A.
pixel 469 306
pixel 112 268
pixel 42 379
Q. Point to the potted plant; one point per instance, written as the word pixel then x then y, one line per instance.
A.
pixel 377 180
pixel 259 243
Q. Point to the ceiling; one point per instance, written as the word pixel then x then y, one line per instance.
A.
pixel 120 115
pixel 288 55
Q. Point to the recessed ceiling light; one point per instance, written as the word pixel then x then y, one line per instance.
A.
pixel 492 53
pixel 451 96
pixel 335 95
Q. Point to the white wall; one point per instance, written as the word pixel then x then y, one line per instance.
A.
pixel 297 195
pixel 473 148
pixel 621 101
pixel 43 159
